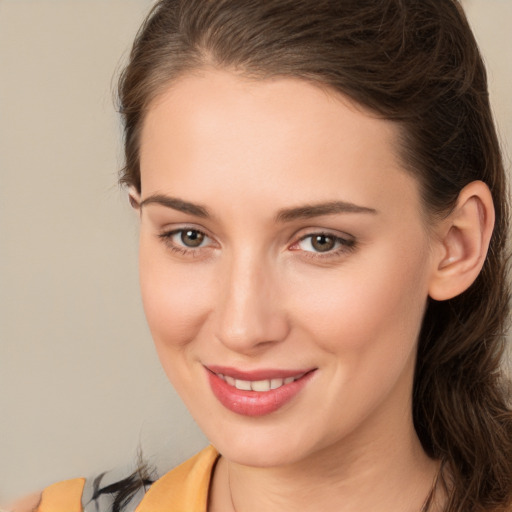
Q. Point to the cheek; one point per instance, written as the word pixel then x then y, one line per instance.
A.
pixel 377 299
pixel 174 305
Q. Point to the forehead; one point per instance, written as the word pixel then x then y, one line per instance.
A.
pixel 217 133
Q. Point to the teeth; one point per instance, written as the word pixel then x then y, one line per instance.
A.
pixel 243 384
pixel 260 385
pixel 276 383
pixel 257 385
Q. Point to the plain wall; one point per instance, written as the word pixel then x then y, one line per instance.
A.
pixel 80 385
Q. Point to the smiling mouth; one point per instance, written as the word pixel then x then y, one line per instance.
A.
pixel 256 393
pixel 260 386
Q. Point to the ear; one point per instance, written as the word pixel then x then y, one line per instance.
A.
pixel 134 198
pixel 464 238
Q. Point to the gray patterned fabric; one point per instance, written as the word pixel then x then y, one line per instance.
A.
pixel 104 502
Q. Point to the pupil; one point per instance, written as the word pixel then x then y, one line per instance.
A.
pixel 323 243
pixel 192 238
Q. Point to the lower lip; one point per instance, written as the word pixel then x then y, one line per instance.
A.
pixel 255 403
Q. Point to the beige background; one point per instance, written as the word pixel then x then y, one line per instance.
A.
pixel 80 386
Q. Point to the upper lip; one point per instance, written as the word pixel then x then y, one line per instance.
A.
pixel 255 375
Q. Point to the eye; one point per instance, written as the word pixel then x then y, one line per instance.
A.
pixel 185 240
pixel 191 237
pixel 323 243
pixel 318 243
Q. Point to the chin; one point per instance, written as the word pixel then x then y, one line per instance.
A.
pixel 258 456
pixel 260 445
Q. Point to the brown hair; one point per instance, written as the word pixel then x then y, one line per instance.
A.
pixel 415 63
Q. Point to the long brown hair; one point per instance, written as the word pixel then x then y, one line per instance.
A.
pixel 415 63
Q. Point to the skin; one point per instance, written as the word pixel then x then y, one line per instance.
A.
pixel 247 162
pixel 27 504
pixel 255 294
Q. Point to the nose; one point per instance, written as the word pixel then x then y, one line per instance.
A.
pixel 250 314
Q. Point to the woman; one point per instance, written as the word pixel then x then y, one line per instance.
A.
pixel 323 217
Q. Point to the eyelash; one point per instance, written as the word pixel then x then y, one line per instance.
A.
pixel 345 245
pixel 167 236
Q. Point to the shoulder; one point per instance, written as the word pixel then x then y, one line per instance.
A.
pixel 183 488
pixel 26 504
pixel 61 497
pixel 64 496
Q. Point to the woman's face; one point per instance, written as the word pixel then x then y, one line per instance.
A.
pixel 281 239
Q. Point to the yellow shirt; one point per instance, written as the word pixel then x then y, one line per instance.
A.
pixel 183 489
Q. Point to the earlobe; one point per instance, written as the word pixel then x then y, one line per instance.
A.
pixel 134 198
pixel 464 241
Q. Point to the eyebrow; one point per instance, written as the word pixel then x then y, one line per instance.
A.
pixel 177 204
pixel 317 210
pixel 285 215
